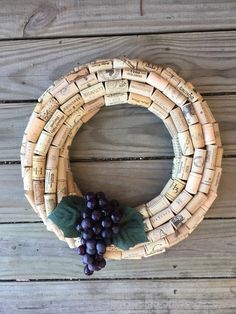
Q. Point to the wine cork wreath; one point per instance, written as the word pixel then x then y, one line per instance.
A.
pixel 74 99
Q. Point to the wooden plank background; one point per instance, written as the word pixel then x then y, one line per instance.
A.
pixel 124 151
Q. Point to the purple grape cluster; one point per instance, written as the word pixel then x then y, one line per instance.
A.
pixel 99 223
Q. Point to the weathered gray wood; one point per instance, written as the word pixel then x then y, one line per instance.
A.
pixel 41 19
pixel 116 132
pixel 206 59
pixel 28 251
pixel 131 182
pixel 138 296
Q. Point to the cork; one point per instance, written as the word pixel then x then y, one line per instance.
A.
pixel 116 87
pixel 167 186
pixel 219 156
pixel 166 74
pixel 184 167
pixel 193 182
pixel 174 81
pixel 76 74
pixel 94 105
pixel 210 199
pixel 197 135
pixel 51 181
pixel 196 202
pixel 189 114
pixel 107 75
pixel 170 127
pixel 160 232
pixel 203 112
pixel 187 90
pixel 186 143
pixel 161 217
pixel 163 101
pixel 66 93
pixel 180 218
pixel 181 233
pixel 154 248
pixel 62 165
pixel 52 158
pixel 86 81
pixel 147 225
pixel 38 171
pixel 173 94
pixel 72 104
pixel 139 100
pixel 93 92
pixel 27 179
pixel 124 62
pixel 38 187
pixel 75 129
pixel 116 99
pixel 59 85
pixel 34 129
pixel 55 122
pixel 176 147
pixel 180 201
pixel 216 179
pixel 211 156
pixel 179 120
pixel 149 67
pixel 140 88
pixel 43 99
pixel 28 154
pixel 100 66
pixel 195 220
pixel 43 143
pixel 48 110
pixel 209 135
pixel 71 185
pixel 116 255
pixel 61 136
pixel 142 209
pixel 61 190
pixel 199 160
pixel 70 242
pixel 42 212
pixel 134 74
pixel 175 189
pixel 75 117
pixel 89 115
pixel 157 81
pixel 217 134
pixel 206 181
pixel 136 253
pixel 50 203
pixel 157 204
pixel 158 111
pixel 175 167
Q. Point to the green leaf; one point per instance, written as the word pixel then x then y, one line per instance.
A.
pixel 131 230
pixel 67 214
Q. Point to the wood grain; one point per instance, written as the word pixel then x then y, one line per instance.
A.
pixel 131 182
pixel 137 296
pixel 42 19
pixel 29 252
pixel 206 59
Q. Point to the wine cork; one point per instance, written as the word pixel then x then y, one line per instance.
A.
pixel 117 255
pixel 180 201
pixel 66 93
pixel 189 114
pixel 48 110
pixel 149 67
pixel 210 199
pixel 198 160
pixel 147 225
pixel 72 104
pixel 136 253
pixel 209 135
pixel 142 209
pixel 136 75
pixel 170 127
pixel 27 179
pixel 196 202
pixel 139 100
pixel 75 129
pixel 124 62
pixel 217 134
pixel 62 164
pixel 180 218
pixel 154 248
pixel 161 217
pixel 100 66
pixel 158 111
pixel 34 129
pixel 116 99
pixel 61 136
pixel 43 99
pixel 59 85
pixel 193 182
pixel 186 143
pixel 75 117
pixel 173 94
pixel 107 75
pixel 176 147
pixel 175 167
pixel 179 120
pixel 38 171
pixel 160 232
pixel 61 190
pixel 206 181
pixel 55 122
pixel 52 158
pixel 181 233
pixel 38 187
pixel 216 179
pixel 167 186
pixel 86 81
pixel 157 204
pixel 51 181
pixel 203 112
pixel 85 118
pixel 184 167
pixel 93 92
pixel 93 105
pixel 76 74
pixel 163 101
pixel 28 154
pixel 197 135
pixel 195 220
pixel 219 156
pixel 174 81
pixel 188 91
pixel 211 156
pixel 43 143
pixel 50 203
pixel 174 190
pixel 166 74
pixel 140 88
pixel 116 87
pixel 157 81
pixel 70 242
pixel 42 212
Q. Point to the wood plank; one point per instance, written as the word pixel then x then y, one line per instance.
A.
pixel 116 132
pixel 138 296
pixel 28 251
pixel 41 19
pixel 206 59
pixel 131 182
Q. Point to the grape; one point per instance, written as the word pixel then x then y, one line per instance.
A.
pixel 91 244
pixel 108 241
pixel 116 216
pixel 96 215
pixel 87 271
pixel 86 213
pixel 114 203
pixel 106 233
pixel 87 259
pixel 83 241
pixel 79 228
pixel 107 209
pixel 81 250
pixel 100 195
pixel 86 223
pixel 106 222
pixel 102 263
pixel 102 202
pixel 91 204
pixel 97 229
pixel 87 234
pixel 91 251
pixel 115 229
pixel 101 247
pixel 89 196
